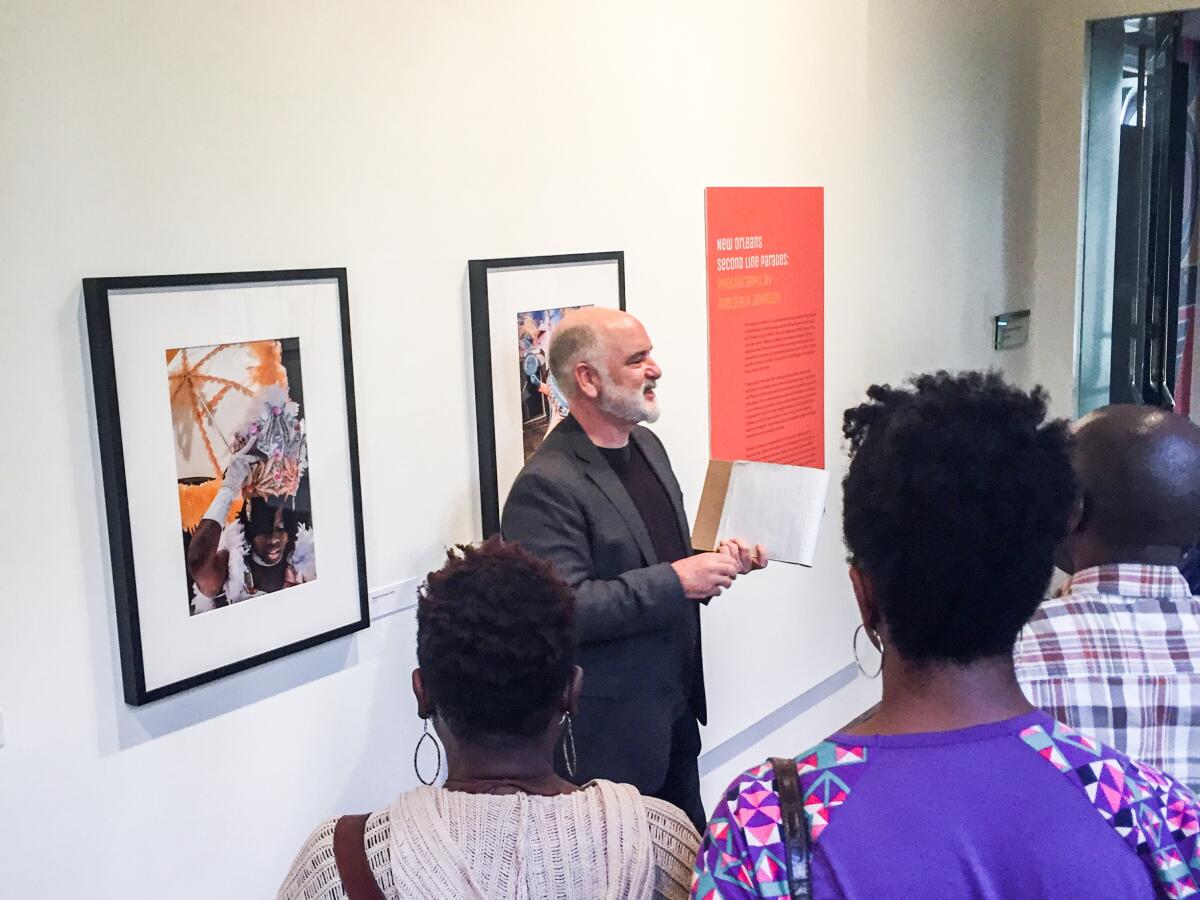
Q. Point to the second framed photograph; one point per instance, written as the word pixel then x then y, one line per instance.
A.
pixel 516 304
pixel 225 407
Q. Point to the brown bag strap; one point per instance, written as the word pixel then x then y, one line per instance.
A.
pixel 350 854
pixel 794 825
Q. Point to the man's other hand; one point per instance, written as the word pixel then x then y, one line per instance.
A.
pixel 747 556
pixel 705 574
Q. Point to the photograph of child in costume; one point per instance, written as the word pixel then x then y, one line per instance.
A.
pixel 543 405
pixel 241 458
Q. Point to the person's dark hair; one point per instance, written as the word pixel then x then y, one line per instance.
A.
pixel 495 641
pixel 257 516
pixel 957 493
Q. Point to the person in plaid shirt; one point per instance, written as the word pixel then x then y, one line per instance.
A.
pixel 1116 653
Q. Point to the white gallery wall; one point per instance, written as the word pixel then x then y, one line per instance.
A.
pixel 400 140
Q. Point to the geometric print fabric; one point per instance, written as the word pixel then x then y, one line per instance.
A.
pixel 743 854
pixel 1153 813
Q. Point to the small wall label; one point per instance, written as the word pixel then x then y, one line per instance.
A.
pixel 1012 330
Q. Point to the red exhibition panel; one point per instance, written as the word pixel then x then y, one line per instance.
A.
pixel 766 324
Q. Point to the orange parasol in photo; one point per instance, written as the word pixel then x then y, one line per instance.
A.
pixel 211 391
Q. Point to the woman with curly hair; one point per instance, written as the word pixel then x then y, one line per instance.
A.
pixel 957 492
pixel 498 681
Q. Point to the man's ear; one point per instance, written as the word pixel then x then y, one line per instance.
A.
pixel 570 697
pixel 864 593
pixel 587 379
pixel 424 707
pixel 1080 516
pixel 1078 522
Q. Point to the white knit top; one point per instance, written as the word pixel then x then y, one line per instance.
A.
pixel 605 841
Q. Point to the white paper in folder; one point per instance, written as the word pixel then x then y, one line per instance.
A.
pixel 778 506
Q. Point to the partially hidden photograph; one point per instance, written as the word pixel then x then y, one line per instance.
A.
pixel 543 404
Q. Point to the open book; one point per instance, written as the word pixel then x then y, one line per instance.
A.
pixel 780 507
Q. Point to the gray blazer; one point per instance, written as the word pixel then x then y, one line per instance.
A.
pixel 636 629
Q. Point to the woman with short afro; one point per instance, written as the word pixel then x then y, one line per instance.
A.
pixel 498 682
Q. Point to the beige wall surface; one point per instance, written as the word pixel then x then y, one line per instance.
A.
pixel 401 140
pixel 951 111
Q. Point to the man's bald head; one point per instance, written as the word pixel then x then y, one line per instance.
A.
pixel 585 335
pixel 1139 470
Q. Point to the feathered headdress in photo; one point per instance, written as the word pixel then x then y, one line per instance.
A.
pixel 280 445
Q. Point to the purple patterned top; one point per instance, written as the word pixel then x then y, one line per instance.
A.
pixel 1026 807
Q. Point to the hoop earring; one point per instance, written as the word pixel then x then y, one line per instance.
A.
pixel 857 662
pixel 426 733
pixel 568 744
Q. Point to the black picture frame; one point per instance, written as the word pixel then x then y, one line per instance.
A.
pixel 481 340
pixel 96 296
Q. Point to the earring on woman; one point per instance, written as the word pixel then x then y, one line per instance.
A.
pixel 426 733
pixel 568 743
pixel 875 642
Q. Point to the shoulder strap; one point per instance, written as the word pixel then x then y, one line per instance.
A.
pixel 794 825
pixel 350 854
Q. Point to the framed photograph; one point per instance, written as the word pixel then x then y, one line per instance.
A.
pixel 515 306
pixel 225 408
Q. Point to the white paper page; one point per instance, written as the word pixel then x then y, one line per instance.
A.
pixel 780 507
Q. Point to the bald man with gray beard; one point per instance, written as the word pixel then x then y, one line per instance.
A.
pixel 1116 653
pixel 600 501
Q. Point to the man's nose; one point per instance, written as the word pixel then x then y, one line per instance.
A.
pixel 652 369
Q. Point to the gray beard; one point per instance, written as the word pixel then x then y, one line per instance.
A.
pixel 628 406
